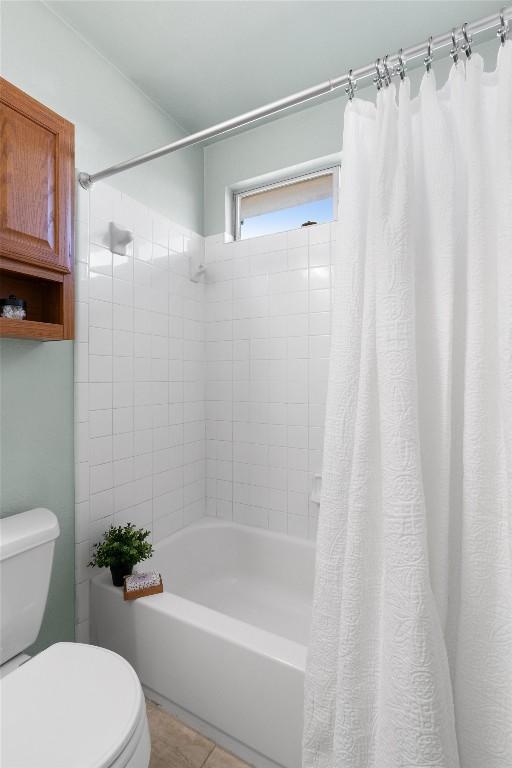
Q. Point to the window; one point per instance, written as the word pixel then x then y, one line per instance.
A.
pixel 289 204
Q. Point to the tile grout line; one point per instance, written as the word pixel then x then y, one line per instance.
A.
pixel 214 747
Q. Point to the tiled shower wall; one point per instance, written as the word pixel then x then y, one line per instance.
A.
pixel 139 378
pixel 268 337
pixel 195 398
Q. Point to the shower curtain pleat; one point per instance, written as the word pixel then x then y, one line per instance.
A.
pixel 410 660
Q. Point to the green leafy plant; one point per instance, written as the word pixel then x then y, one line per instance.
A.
pixel 122 546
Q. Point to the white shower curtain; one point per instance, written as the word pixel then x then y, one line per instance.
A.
pixel 410 663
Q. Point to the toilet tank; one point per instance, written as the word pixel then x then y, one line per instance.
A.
pixel 27 541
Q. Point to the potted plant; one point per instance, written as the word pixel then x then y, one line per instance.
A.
pixel 121 549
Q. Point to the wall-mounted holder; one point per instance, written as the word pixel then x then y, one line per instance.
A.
pixel 316 489
pixel 195 269
pixel 119 239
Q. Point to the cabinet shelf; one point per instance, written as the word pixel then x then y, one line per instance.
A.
pixel 30 329
pixel 49 307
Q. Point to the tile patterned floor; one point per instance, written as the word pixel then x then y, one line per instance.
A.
pixel 175 745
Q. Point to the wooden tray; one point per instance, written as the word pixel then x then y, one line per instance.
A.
pixel 135 593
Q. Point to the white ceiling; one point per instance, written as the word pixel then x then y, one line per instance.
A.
pixel 204 62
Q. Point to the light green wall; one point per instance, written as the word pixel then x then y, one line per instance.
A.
pixel 36 457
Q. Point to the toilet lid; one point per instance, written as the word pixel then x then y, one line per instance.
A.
pixel 71 706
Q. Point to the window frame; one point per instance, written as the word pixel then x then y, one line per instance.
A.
pixel 238 195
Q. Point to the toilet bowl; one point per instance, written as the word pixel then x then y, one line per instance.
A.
pixel 73 706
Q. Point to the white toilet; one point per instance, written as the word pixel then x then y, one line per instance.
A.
pixel 72 705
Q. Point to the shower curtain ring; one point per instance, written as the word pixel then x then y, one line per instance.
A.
pixel 454 52
pixel 401 66
pixel 352 86
pixel 503 28
pixel 378 76
pixel 466 45
pixel 428 58
pixel 385 68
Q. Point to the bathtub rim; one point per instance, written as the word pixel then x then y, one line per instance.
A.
pixel 215 522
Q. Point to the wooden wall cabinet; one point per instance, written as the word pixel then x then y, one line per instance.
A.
pixel 37 182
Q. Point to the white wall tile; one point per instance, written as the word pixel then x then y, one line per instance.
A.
pixel 100 314
pixel 266 387
pixel 143 248
pixel 100 260
pixel 100 341
pixel 81 355
pixel 319 277
pixel 320 233
pixel 100 396
pixel 100 450
pixel 81 281
pixel 320 300
pixel 100 367
pixel 100 286
pixel 100 422
pixel 82 521
pixel 101 504
pixel 319 254
pixel 123 420
pixel 101 478
pixel 81 481
pixel 123 446
pixel 122 267
pixel 122 318
pixel 297 525
pixel 122 292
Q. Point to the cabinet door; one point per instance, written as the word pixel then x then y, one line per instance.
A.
pixel 36 181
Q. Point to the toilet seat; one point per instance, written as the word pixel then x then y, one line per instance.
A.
pixel 73 705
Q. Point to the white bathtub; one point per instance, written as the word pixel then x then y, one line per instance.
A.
pixel 225 645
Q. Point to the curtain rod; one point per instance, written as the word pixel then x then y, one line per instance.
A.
pixel 392 65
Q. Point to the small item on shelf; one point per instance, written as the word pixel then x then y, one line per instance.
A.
pixel 142 585
pixel 13 308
